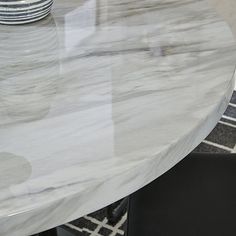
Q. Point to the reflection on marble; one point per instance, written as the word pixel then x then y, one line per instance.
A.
pixel 140 84
pixel 13 170
pixel 29 60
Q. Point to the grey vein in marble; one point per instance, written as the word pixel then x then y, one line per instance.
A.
pixel 101 98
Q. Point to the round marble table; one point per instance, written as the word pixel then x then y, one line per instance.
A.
pixel 101 98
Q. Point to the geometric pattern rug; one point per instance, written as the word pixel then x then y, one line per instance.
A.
pixel 221 140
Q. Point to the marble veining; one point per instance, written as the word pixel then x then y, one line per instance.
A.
pixel 102 97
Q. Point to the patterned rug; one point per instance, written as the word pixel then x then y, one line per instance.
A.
pixel 221 140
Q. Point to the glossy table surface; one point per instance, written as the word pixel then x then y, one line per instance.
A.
pixel 101 98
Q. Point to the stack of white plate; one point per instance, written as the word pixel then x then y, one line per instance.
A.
pixel 23 11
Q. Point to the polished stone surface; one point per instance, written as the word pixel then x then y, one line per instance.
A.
pixel 101 98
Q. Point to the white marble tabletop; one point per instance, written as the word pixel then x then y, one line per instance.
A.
pixel 101 98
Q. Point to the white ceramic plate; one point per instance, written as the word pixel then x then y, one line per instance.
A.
pixel 21 12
